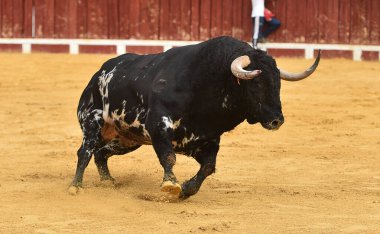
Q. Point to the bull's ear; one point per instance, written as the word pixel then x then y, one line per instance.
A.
pixel 237 68
pixel 288 76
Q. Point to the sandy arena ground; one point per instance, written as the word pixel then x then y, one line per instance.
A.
pixel 320 173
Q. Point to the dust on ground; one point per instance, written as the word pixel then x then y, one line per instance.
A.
pixel 319 173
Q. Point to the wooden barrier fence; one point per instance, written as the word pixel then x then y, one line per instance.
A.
pixel 303 21
pixel 344 28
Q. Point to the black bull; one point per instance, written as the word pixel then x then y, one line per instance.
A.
pixel 179 101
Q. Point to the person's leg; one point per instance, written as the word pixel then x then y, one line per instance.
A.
pixel 272 26
pixel 258 23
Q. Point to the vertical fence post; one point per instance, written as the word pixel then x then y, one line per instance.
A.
pixel 74 48
pixel 309 53
pixel 120 49
pixel 357 54
pixel 26 48
pixel 167 47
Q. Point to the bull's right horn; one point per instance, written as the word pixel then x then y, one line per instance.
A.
pixel 237 68
pixel 300 76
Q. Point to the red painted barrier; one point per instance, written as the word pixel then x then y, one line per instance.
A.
pixel 304 21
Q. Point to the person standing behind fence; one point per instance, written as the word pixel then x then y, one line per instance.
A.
pixel 261 15
pixel 257 20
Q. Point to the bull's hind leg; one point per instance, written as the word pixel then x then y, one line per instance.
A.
pixel 101 161
pixel 102 155
pixel 91 126
pixel 206 157
pixel 84 157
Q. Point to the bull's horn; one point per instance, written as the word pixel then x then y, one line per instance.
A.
pixel 299 76
pixel 237 68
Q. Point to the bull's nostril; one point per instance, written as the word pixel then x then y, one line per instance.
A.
pixel 275 123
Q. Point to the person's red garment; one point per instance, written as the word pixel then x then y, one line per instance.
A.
pixel 268 14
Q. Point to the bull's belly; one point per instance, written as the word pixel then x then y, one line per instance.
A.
pixel 126 137
pixel 127 133
pixel 130 136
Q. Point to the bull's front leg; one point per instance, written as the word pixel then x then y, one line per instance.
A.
pixel 206 157
pixel 160 129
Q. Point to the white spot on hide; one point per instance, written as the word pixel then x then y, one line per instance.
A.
pixel 176 124
pixel 135 124
pixel 186 140
pixel 225 102
pixel 104 80
pixel 167 122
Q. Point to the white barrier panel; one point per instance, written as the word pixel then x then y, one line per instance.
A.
pixel 122 45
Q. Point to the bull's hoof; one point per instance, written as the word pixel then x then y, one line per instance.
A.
pixel 189 188
pixel 183 196
pixel 74 190
pixel 170 187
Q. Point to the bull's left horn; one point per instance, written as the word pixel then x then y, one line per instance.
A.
pixel 237 68
pixel 300 76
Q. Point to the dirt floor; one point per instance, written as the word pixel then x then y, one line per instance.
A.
pixel 320 173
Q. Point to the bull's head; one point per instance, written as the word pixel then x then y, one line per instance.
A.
pixel 262 90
